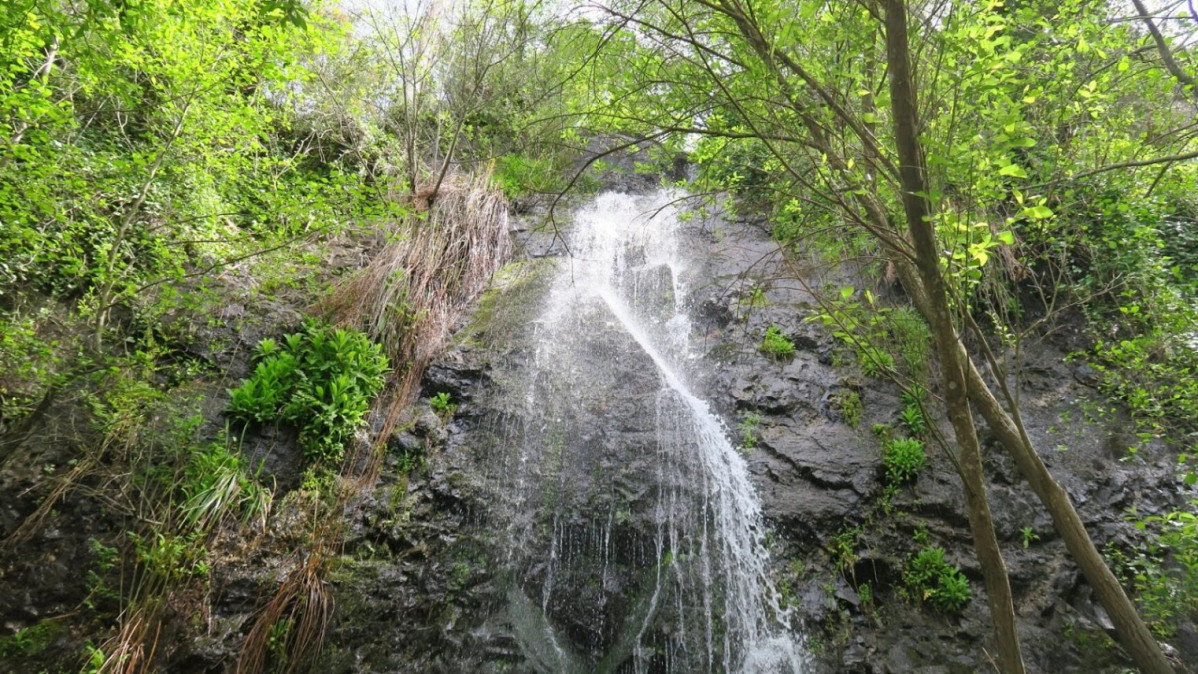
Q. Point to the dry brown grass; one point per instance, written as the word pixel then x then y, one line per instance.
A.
pixel 289 631
pixel 409 297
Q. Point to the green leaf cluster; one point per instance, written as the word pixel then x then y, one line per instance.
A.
pixel 776 345
pixel 442 404
pixel 903 459
pixel 320 379
pixel 1164 569
pixel 929 578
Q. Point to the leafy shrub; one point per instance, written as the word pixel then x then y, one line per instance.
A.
pixel 775 344
pixel 930 578
pixel 1155 375
pixel 32 640
pixel 321 379
pixel 757 297
pixel 518 175
pixel 911 339
pixel 903 458
pixel 1165 572
pixel 217 485
pixel 912 416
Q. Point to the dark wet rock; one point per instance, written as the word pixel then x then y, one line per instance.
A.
pixel 1087 375
pixel 423 577
pixel 458 379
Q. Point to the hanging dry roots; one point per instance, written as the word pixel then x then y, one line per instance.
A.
pixel 410 295
pixel 290 629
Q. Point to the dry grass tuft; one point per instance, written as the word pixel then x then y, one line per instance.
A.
pixel 290 629
pixel 411 294
pixel 407 299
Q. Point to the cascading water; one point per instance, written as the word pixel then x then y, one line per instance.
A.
pixel 632 537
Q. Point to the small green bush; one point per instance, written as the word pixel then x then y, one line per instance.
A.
pixel 320 379
pixel 32 640
pixel 912 415
pixel 442 404
pixel 903 458
pixel 874 361
pixel 775 344
pixel 930 578
pixel 217 485
pixel 1164 570
pixel 911 339
pixel 518 175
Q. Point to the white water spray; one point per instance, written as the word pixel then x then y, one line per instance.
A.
pixel 676 566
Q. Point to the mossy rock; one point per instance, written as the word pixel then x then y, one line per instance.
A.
pixel 510 304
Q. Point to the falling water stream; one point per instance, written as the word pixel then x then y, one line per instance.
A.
pixel 633 539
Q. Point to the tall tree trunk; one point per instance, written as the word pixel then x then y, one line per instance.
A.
pixel 1131 631
pixel 939 317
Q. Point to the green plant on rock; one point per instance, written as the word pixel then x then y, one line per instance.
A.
pixel 844 547
pixel 902 459
pixel 776 345
pixel 911 339
pixel 929 578
pixel 410 460
pixel 217 486
pixel 33 640
pixel 866 592
pixel 912 416
pixel 749 430
pixel 874 361
pixel 849 404
pixel 1165 574
pixel 442 404
pixel 757 297
pixel 320 379
pixel 1029 536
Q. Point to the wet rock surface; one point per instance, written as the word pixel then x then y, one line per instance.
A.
pixel 417 583
pixel 818 479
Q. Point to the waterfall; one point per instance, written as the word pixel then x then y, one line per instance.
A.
pixel 633 539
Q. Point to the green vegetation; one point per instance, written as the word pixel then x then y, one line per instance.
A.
pixel 1028 535
pixel 32 640
pixel 849 405
pixel 519 175
pixel 776 345
pixel 320 379
pixel 440 403
pixel 903 459
pixel 929 578
pixel 1164 573
pixel 757 297
pixel 912 415
pixel 749 428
